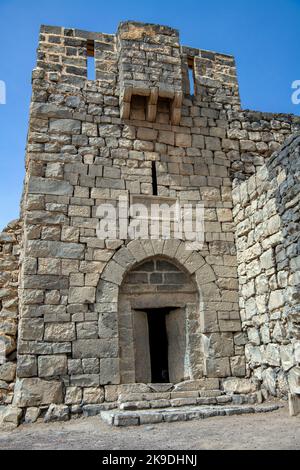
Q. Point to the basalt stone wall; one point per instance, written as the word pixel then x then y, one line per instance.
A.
pixel 80 154
pixel 257 136
pixel 267 234
pixel 90 142
pixel 10 241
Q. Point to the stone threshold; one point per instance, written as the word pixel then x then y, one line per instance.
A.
pixel 141 417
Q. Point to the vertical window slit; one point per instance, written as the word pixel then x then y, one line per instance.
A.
pixel 154 179
pixel 91 68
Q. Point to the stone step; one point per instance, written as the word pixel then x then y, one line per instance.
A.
pixel 186 399
pixel 168 395
pixel 188 413
pixel 175 403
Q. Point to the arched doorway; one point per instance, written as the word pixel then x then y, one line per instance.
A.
pixel 159 325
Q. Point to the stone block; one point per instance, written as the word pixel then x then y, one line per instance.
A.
pixel 32 414
pixel 82 295
pixel 60 332
pixel 108 325
pixel 57 413
pixel 54 249
pixel 230 325
pixel 10 417
pixel 95 348
pixel 124 420
pixel 166 137
pixel 206 401
pixel 183 402
pixel 46 282
pixel 111 393
pixel 93 410
pixel 108 130
pixel 38 185
pixel 213 143
pixel 240 386
pixel 272 355
pixel 89 348
pixel 294 381
pixel 37 392
pixel 221 345
pixel 183 140
pixel 65 126
pixel 287 357
pixel 198 141
pixel 52 366
pixel 267 259
pixel 205 275
pixel 150 418
pixel 91 366
pixel 253 355
pixel 86 380
pixel 162 403
pixel 253 336
pixel 294 405
pixel 250 308
pixel 113 273
pixel 109 371
pixel 217 368
pixel 93 396
pixel 144 133
pixel 269 381
pixel 31 329
pixel 87 330
pixel 276 300
pixel 8 372
pixel 73 395
pixel 26 366
pixel 238 366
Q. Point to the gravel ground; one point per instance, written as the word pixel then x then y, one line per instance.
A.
pixel 274 430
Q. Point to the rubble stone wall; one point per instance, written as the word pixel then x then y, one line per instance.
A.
pixel 10 241
pixel 266 214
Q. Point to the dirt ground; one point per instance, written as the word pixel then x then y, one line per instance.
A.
pixel 261 431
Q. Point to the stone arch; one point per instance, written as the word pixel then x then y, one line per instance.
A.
pixel 108 295
pixel 139 250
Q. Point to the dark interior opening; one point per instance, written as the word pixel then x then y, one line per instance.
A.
pixel 158 342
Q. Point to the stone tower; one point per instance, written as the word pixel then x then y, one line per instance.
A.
pixel 107 320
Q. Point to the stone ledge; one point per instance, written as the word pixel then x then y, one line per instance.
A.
pixel 129 418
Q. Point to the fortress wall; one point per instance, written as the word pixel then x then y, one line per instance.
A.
pixel 266 215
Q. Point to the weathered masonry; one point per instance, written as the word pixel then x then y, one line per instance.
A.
pixel 95 323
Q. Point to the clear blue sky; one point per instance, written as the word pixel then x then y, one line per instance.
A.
pixel 262 34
